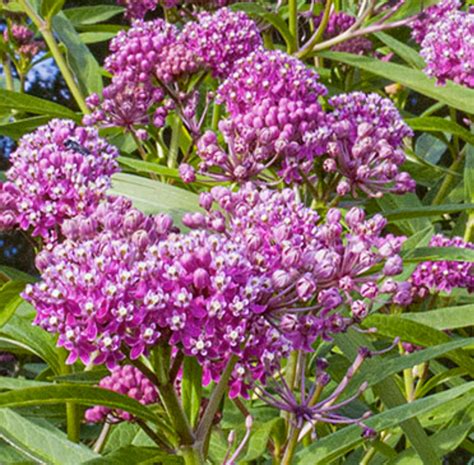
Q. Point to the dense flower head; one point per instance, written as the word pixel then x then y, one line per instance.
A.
pixel 337 24
pixel 443 276
pixel 429 17
pixel 22 38
pixel 94 290
pixel 448 49
pixel 220 39
pixel 57 172
pixel 137 9
pixel 126 380
pixel 272 102
pixel 365 148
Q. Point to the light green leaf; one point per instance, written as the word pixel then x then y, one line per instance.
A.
pixel 259 439
pixel 329 448
pixel 80 394
pixel 96 37
pixel 154 196
pixel 14 274
pixel 453 254
pixel 27 103
pixel 43 445
pixel 18 129
pixel 426 211
pixel 86 15
pixel 437 124
pixel 80 59
pixel 50 8
pixel 10 299
pixel 132 455
pixel 191 388
pixel 451 94
pixel 430 148
pixel 407 53
pixel 444 318
pixel 416 333
pixel 8 384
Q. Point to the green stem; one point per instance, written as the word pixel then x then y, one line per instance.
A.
pixel 7 71
pixel 174 144
pixel 216 116
pixel 469 232
pixel 321 28
pixel 73 414
pixel 102 439
pixel 45 28
pixel 448 180
pixel 293 25
pixel 291 447
pixel 192 456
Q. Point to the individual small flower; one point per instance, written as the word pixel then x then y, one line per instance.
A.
pixel 428 19
pixel 220 39
pixel 443 276
pixel 187 173
pixel 337 24
pixel 57 172
pixel 365 149
pixel 272 103
pixel 126 380
pixel 448 49
pixel 21 37
pixel 94 290
pixel 137 9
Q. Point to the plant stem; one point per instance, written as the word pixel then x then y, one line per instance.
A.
pixel 293 25
pixel 45 28
pixel 448 180
pixel 73 414
pixel 7 71
pixel 316 37
pixel 291 447
pixel 101 440
pixel 192 456
pixel 174 144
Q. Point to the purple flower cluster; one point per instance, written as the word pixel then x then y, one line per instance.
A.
pixel 443 276
pixel 337 24
pixel 57 172
pixel 222 38
pixel 126 380
pixel 365 148
pixel 272 102
pixel 428 18
pixel 22 39
pixel 448 49
pixel 137 9
pixel 94 290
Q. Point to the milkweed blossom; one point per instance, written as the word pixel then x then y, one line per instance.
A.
pixel 137 9
pixel 126 380
pixel 272 102
pixel 365 148
pixel 57 172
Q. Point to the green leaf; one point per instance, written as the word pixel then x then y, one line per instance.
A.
pixel 426 211
pixel 96 37
pixel 20 332
pixel 10 299
pixel 469 175
pixel 50 8
pixel 453 254
pixel 451 94
pixel 329 448
pixel 259 439
pixel 80 59
pixel 18 129
pixel 437 124
pixel 132 455
pixel 142 166
pixel 409 54
pixel 154 196
pixel 121 435
pixel 377 369
pixel 430 148
pixel 43 445
pixel 27 103
pixel 444 318
pixel 416 333
pixel 8 384
pixel 191 388
pixel 86 15
pixel 79 394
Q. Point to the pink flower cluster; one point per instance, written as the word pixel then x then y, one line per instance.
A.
pixel 57 172
pixel 448 49
pixel 21 37
pixel 126 380
pixel 222 38
pixel 429 17
pixel 365 148
pixel 443 276
pixel 337 24
pixel 137 9
pixel 272 102
pixel 94 291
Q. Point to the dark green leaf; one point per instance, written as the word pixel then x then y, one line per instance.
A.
pixel 27 103
pixel 451 94
pixel 430 148
pixel 422 212
pixel 191 388
pixel 10 299
pixel 17 129
pixel 80 59
pixel 436 124
pixel 259 440
pixel 132 455
pixel 50 8
pixel 410 55
pixel 329 448
pixel 43 445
